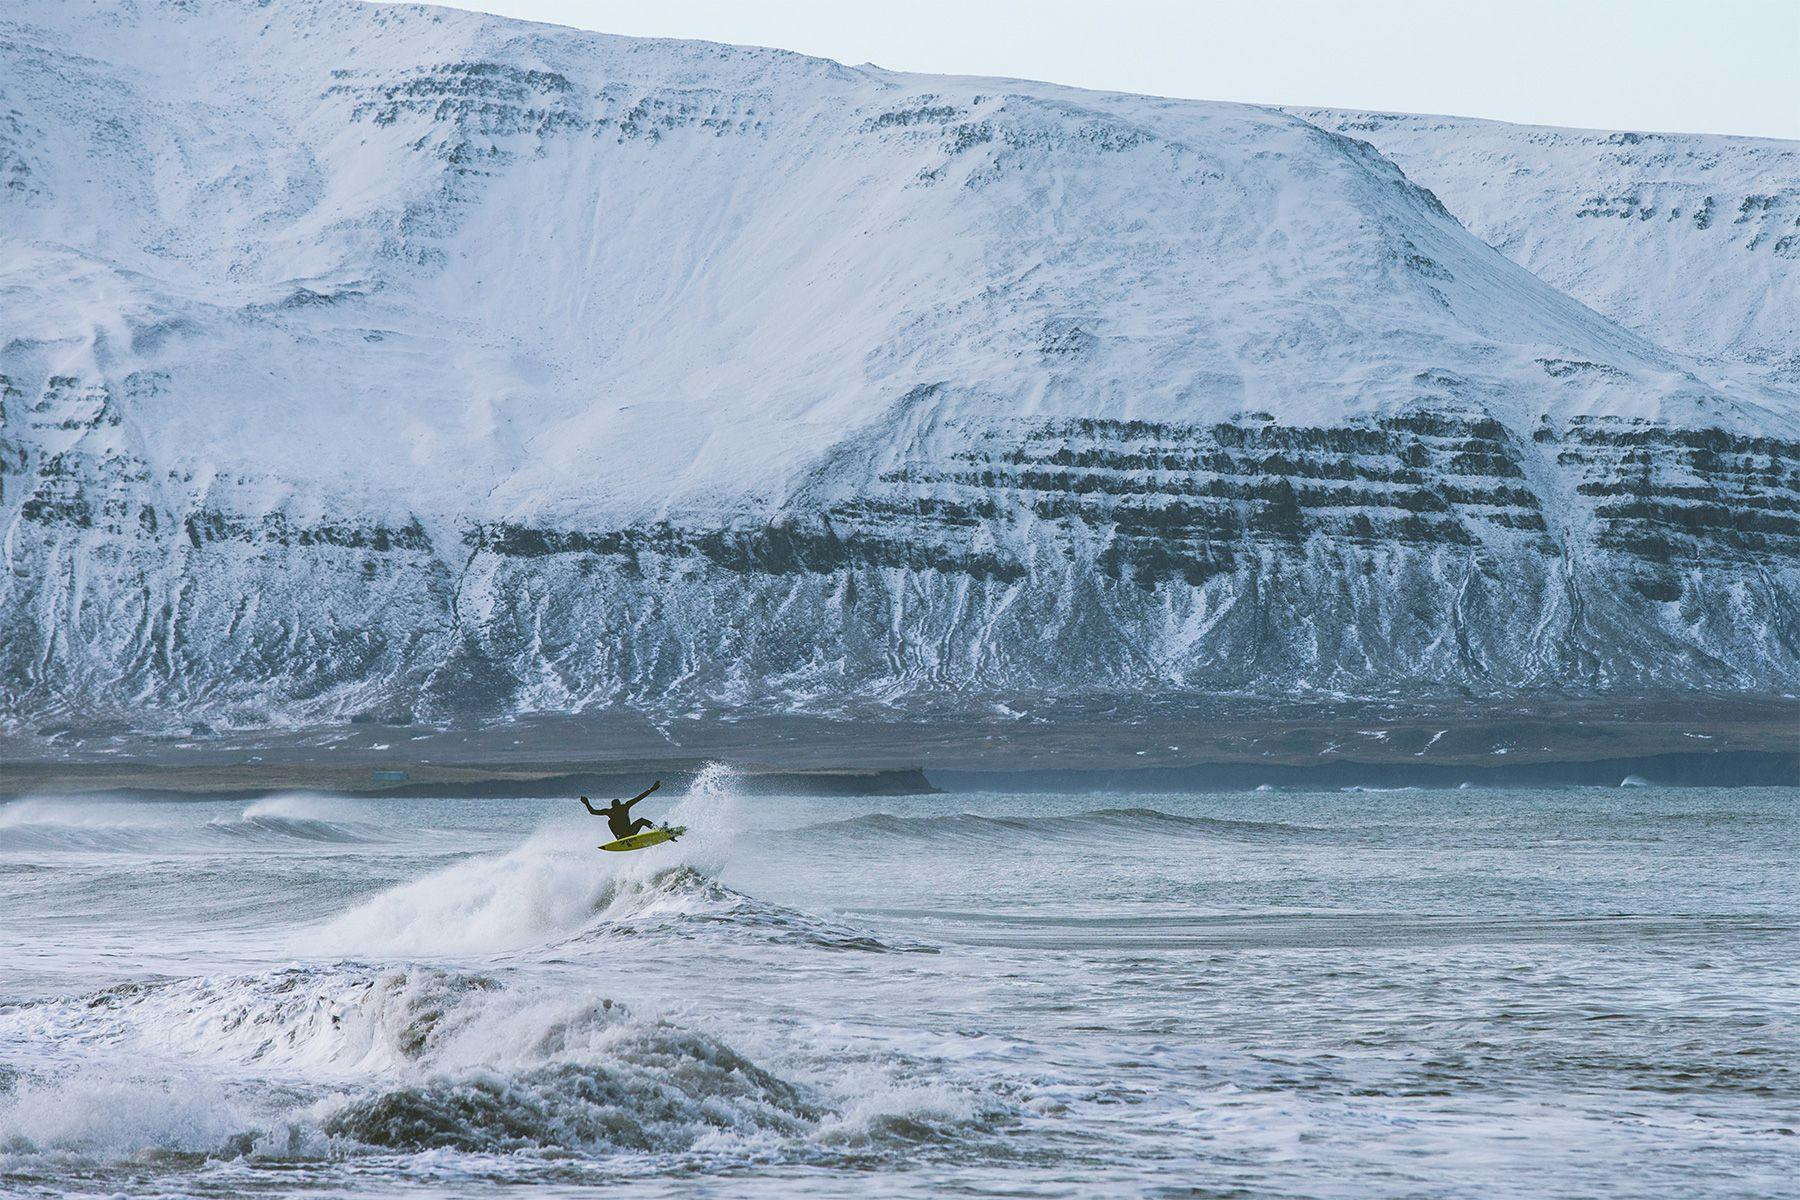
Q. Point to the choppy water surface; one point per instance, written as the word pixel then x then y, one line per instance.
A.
pixel 1570 993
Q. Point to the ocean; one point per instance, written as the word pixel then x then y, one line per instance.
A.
pixel 1415 993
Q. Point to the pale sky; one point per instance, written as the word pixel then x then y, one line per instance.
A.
pixel 1709 66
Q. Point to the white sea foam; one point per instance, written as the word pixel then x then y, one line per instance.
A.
pixel 415 1059
pixel 114 1113
pixel 910 1112
pixel 1261 990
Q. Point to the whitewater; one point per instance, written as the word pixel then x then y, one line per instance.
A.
pixel 1413 993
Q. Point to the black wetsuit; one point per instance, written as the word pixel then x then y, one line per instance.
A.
pixel 618 814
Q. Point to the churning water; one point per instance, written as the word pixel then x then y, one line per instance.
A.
pixel 1416 993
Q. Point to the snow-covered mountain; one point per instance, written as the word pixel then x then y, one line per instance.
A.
pixel 411 361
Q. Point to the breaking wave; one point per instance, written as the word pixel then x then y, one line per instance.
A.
pixel 1106 824
pixel 295 818
pixel 77 825
pixel 355 1059
pixel 542 897
pixel 462 1063
pixel 276 829
pixel 558 890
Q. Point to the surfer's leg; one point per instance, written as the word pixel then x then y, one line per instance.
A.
pixel 641 824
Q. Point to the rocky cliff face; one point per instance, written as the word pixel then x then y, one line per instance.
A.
pixel 426 364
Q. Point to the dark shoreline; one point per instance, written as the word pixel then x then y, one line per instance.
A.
pixel 1725 769
pixel 1747 768
pixel 471 782
pixel 1204 744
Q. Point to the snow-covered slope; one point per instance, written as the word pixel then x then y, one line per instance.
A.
pixel 1692 241
pixel 406 360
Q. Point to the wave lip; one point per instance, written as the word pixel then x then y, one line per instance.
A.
pixel 299 816
pixel 274 829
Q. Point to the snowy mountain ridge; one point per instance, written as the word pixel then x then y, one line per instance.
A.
pixel 417 362
pixel 1707 229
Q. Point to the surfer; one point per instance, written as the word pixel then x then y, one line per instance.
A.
pixel 618 814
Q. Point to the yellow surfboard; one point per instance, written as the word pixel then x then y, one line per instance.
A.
pixel 649 837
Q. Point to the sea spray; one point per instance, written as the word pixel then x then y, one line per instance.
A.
pixel 75 812
pixel 309 806
pixel 114 1113
pixel 549 887
pixel 82 824
pixel 553 886
pixel 713 814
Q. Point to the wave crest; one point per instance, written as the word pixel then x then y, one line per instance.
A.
pixel 541 898
pixel 1088 828
pixel 279 829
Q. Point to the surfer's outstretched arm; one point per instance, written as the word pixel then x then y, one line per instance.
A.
pixel 598 812
pixel 643 793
